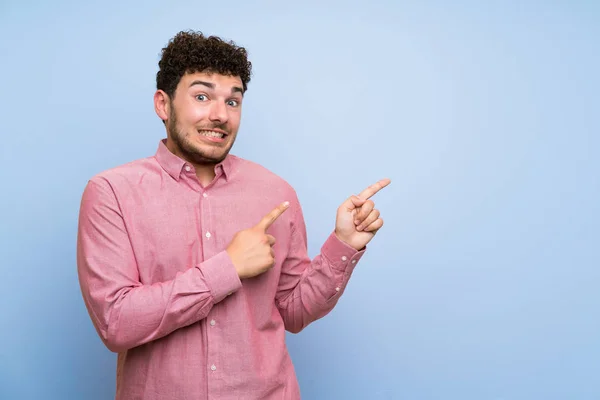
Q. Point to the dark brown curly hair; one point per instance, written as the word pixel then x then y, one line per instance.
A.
pixel 191 51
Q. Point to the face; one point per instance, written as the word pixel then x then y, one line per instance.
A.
pixel 204 116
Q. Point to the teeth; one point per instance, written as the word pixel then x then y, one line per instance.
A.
pixel 212 134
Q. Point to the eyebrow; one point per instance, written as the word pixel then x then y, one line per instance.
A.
pixel 211 85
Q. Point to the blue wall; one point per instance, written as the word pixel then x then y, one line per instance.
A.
pixel 484 283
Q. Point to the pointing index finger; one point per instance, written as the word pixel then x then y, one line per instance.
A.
pixel 272 216
pixel 374 188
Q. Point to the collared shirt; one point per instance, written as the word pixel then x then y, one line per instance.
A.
pixel 163 293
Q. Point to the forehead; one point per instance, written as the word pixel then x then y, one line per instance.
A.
pixel 219 81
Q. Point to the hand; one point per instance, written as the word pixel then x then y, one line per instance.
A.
pixel 251 250
pixel 357 219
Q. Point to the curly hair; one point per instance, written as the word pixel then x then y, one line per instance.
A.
pixel 190 52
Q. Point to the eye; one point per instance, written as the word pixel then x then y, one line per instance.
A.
pixel 233 103
pixel 202 97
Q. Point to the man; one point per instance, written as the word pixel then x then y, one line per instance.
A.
pixel 193 263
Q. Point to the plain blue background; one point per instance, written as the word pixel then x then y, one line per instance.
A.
pixel 484 282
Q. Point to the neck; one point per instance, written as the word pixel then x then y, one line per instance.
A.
pixel 205 173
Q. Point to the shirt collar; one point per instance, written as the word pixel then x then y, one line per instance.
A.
pixel 173 164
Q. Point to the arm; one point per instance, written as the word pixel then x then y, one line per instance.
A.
pixel 125 312
pixel 310 289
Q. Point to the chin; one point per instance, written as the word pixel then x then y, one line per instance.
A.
pixel 197 151
pixel 202 156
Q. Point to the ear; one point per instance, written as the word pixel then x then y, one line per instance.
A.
pixel 162 105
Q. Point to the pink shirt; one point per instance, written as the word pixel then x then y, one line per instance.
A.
pixel 163 293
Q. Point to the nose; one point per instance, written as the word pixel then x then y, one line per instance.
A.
pixel 218 112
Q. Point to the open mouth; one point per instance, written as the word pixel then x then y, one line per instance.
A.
pixel 213 134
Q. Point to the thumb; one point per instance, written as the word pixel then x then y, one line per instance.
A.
pixel 353 202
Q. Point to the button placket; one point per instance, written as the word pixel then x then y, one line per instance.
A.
pixel 208 238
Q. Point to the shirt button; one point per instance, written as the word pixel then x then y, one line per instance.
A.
pixel 188 168
pixel 208 235
pixel 353 261
pixel 204 194
pixel 337 289
pixel 344 258
pixel 212 322
pixel 213 367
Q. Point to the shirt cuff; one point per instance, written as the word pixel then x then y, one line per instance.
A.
pixel 220 275
pixel 340 254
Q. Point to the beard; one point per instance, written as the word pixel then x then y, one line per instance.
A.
pixel 192 151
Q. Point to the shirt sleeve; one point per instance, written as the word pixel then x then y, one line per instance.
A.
pixel 309 289
pixel 125 312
